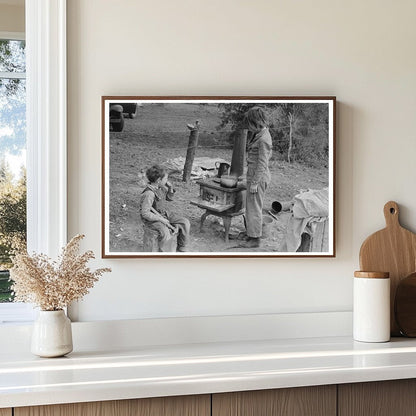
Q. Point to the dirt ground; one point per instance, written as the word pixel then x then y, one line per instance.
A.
pixel 159 133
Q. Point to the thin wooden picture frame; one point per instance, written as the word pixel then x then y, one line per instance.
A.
pixel 298 208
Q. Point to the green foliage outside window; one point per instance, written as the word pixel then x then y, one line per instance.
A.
pixel 12 148
pixel 12 223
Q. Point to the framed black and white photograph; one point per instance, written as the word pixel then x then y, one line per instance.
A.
pixel 218 176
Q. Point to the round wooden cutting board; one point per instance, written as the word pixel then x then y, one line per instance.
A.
pixel 393 250
pixel 405 306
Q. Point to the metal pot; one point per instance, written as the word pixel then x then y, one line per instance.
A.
pixel 229 181
pixel 222 168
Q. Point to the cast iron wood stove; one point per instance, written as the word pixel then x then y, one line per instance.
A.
pixel 219 200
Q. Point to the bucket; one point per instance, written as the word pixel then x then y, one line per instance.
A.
pixel 276 207
pixel 267 226
pixel 281 206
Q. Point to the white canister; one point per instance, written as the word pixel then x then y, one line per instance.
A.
pixel 371 314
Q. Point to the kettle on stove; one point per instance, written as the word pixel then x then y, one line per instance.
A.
pixel 222 168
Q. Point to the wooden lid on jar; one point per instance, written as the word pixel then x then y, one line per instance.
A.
pixel 372 275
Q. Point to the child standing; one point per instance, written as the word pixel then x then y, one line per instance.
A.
pixel 259 151
pixel 154 213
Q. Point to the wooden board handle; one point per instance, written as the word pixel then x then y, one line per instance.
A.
pixel 391 214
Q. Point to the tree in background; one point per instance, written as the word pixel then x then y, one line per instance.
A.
pixel 299 130
pixel 233 115
pixel 12 145
pixel 12 98
pixel 12 213
pixel 12 58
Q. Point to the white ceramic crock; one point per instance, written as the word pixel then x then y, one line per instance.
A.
pixel 52 334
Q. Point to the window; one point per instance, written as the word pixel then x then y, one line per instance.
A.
pixel 12 153
pixel 12 165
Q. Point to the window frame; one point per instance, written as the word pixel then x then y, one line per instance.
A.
pixel 46 121
pixel 46 138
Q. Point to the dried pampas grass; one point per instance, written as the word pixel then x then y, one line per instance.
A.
pixel 53 285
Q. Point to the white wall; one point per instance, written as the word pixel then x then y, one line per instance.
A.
pixel 361 51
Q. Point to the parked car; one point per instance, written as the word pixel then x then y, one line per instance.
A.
pixel 130 109
pixel 118 112
pixel 116 117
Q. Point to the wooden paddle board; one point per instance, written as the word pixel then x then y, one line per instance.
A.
pixel 393 250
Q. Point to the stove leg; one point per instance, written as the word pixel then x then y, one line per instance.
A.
pixel 203 218
pixel 227 226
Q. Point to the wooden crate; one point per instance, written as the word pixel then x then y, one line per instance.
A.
pixel 315 240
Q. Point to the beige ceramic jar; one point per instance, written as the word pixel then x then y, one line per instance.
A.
pixel 52 334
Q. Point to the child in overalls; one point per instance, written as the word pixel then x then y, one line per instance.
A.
pixel 155 215
pixel 259 151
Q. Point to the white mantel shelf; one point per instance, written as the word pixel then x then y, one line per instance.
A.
pixel 151 371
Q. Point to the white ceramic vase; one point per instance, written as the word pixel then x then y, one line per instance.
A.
pixel 52 334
